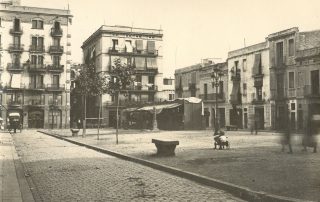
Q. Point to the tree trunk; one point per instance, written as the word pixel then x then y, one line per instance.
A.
pixel 100 103
pixel 117 117
pixel 85 117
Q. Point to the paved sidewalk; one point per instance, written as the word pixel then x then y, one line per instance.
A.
pixel 62 171
pixel 13 184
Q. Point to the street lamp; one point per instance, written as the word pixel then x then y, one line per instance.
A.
pixel 216 79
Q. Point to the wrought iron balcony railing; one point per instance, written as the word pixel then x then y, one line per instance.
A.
pixel 14 102
pixel 16 31
pixel 211 97
pixel 55 68
pixel 36 86
pixel 37 68
pixel 36 48
pixel 16 47
pixel 56 49
pixel 134 51
pixel 55 87
pixel 14 67
pixel 56 32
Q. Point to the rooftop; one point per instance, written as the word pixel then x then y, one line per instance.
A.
pixel 128 30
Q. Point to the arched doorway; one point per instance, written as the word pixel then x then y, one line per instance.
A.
pixel 35 118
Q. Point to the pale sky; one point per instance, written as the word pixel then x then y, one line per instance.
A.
pixel 193 29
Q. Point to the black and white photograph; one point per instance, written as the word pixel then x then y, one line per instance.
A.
pixel 172 100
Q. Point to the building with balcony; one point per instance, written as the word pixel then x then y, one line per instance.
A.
pixel 294 74
pixel 214 98
pixel 249 87
pixel 35 64
pixel 139 47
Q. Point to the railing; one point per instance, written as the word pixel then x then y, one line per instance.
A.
pixel 37 68
pixel 55 103
pixel 56 32
pixel 258 99
pixel 14 67
pixel 36 48
pixel 36 86
pixel 143 88
pixel 133 52
pixel 14 102
pixel 212 97
pixel 55 87
pixel 277 94
pixel 311 91
pixel 56 49
pixel 35 102
pixel 55 68
pixel 18 87
pixel 18 31
pixel 16 47
pixel 308 52
pixel 292 92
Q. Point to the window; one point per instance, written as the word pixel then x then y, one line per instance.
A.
pixel 244 65
pixel 171 96
pixel 259 93
pixel 279 53
pixel 151 79
pixel 167 81
pixel 56 60
pixel 300 79
pixel 236 63
pixel 291 47
pixel 16 59
pixel 205 91
pixel 244 85
pixel 57 25
pixel 16 41
pixel 293 106
pixel 114 43
pixel 40 60
pixel 56 41
pixel 16 24
pixel 138 78
pixel 33 59
pixel 55 81
pixel 291 79
pixel 34 41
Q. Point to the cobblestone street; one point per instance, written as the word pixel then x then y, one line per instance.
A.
pixel 61 171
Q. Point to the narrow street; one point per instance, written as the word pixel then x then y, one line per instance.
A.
pixel 61 171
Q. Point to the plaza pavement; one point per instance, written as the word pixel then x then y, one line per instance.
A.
pixel 61 171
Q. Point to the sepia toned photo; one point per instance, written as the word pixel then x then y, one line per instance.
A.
pixel 173 100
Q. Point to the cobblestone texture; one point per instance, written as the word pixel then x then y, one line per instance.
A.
pixel 61 171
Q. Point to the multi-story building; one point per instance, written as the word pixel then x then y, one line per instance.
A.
pixel 139 47
pixel 35 44
pixel 187 81
pixel 249 87
pixel 210 94
pixel 294 77
pixel 167 90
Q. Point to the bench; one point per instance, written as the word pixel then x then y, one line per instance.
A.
pixel 231 127
pixel 165 147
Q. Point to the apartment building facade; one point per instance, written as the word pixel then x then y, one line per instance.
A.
pixel 140 47
pixel 35 44
pixel 294 77
pixel 249 87
pixel 210 94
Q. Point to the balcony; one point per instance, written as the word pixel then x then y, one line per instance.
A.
pixel 258 99
pixel 56 49
pixel 211 97
pixel 312 91
pixel 55 68
pixel 140 88
pixel 14 103
pixel 147 71
pixel 16 31
pixel 308 53
pixel 55 87
pixel 37 49
pixel 36 68
pixel 12 87
pixel 292 93
pixel 35 102
pixel 56 32
pixel 36 86
pixel 134 52
pixel 16 48
pixel 15 67
pixel 277 94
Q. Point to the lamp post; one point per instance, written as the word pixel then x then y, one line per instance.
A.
pixel 216 79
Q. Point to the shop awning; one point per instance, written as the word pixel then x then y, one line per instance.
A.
pixel 139 45
pixel 140 63
pixel 14 114
pixel 256 64
pixel 159 108
pixel 190 99
pixel 235 94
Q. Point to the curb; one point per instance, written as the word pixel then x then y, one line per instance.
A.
pixel 238 191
